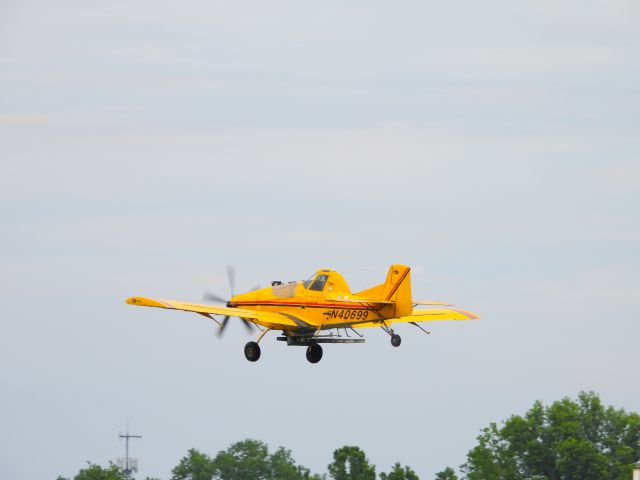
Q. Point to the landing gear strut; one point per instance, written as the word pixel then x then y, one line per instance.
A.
pixel 252 351
pixel 395 338
pixel 314 353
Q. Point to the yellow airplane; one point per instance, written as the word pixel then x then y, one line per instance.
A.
pixel 321 309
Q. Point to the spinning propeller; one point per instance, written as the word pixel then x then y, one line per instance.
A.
pixel 212 297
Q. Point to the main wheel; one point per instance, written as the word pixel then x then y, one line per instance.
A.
pixel 395 340
pixel 314 353
pixel 252 351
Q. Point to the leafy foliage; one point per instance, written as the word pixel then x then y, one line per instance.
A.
pixel 446 474
pixel 568 440
pixel 245 460
pixel 350 463
pixel 96 472
pixel 283 467
pixel 399 473
pixel 195 466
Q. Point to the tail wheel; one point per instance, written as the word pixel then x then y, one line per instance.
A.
pixel 252 351
pixel 314 353
pixel 395 340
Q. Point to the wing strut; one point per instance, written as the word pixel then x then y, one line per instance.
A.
pixel 355 331
pixel 209 316
pixel 425 331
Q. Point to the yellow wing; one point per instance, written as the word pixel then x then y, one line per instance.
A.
pixel 268 319
pixel 423 315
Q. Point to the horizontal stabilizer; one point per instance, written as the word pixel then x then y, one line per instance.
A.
pixel 432 302
pixel 422 315
pixel 431 314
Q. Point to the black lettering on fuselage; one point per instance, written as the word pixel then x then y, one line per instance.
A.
pixel 347 314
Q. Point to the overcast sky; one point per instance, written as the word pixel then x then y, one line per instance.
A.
pixel 493 146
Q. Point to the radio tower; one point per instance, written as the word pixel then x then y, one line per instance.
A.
pixel 127 466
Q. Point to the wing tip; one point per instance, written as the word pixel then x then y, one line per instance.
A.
pixel 472 316
pixel 147 302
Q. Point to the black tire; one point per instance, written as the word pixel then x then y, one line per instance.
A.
pixel 252 351
pixel 314 353
pixel 395 340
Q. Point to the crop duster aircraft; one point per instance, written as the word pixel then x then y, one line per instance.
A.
pixel 319 310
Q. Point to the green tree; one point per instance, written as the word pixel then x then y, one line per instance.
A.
pixel 245 460
pixel 567 440
pixel 283 467
pixel 581 460
pixel 96 472
pixel 250 460
pixel 195 466
pixel 489 460
pixel 350 463
pixel 399 473
pixel 446 474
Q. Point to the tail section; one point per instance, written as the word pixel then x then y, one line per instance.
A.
pixel 396 288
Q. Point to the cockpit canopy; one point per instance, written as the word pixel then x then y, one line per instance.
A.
pixel 326 281
pixel 316 282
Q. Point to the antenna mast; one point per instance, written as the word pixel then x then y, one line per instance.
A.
pixel 127 467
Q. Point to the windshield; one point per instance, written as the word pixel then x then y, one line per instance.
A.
pixel 308 281
pixel 318 285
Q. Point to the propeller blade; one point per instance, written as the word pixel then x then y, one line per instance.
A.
pixel 224 325
pixel 247 324
pixel 212 297
pixel 231 274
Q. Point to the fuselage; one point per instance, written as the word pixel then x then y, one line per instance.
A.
pixel 323 301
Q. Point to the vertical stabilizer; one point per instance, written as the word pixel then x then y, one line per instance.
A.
pixel 397 288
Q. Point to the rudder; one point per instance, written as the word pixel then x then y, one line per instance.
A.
pixel 397 288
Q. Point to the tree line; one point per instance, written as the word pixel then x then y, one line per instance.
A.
pixel 577 439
